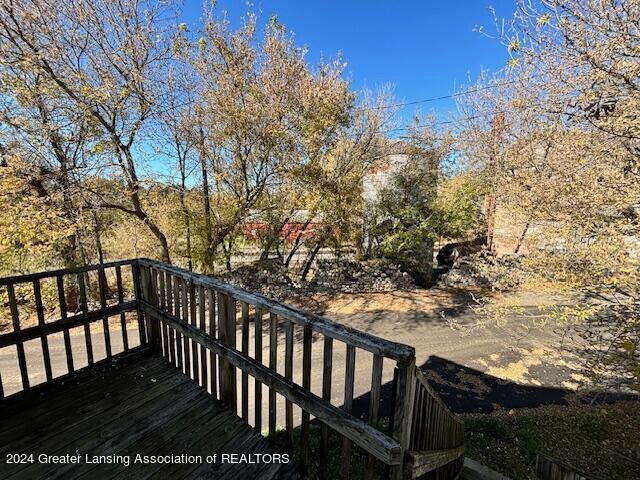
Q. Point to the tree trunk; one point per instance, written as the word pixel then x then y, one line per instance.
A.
pixel 490 217
pixel 297 243
pixel 207 263
pixel 96 231
pixel 133 186
pixel 521 239
pixel 310 259
pixel 273 237
pixel 227 253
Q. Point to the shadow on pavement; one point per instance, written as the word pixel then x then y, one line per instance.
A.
pixel 467 390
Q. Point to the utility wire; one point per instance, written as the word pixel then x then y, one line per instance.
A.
pixel 435 99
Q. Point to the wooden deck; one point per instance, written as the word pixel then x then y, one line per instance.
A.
pixel 144 407
pixel 195 396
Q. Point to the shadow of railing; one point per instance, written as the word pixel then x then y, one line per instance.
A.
pixel 467 390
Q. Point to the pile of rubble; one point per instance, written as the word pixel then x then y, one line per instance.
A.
pixel 268 277
pixel 359 277
pixel 272 279
pixel 481 270
pixel 462 274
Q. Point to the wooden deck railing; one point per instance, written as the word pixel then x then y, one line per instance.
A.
pixel 240 347
pixel 62 307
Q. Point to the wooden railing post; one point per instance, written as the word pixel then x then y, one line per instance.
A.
pixel 403 413
pixel 227 335
pixel 136 270
pixel 150 295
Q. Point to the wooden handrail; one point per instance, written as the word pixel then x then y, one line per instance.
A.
pixel 357 338
pixel 29 277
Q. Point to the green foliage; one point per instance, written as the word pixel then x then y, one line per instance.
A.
pixel 405 209
pixel 458 207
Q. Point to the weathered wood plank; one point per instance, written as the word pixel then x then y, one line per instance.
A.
pixel 193 306
pixel 176 305
pixel 15 319
pixel 85 309
pixel 37 293
pixel 212 332
pixel 102 286
pixel 62 302
pixel 258 355
pixel 349 375
pixel 61 325
pixel 184 291
pixel 420 463
pixel 327 372
pixel 137 285
pixel 56 273
pixel 273 365
pixel 202 310
pixel 306 384
pixel 374 407
pixel 245 351
pixel 123 318
pixel 227 335
pixel 288 374
pixel 403 413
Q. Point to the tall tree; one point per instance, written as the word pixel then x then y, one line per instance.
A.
pixel 103 58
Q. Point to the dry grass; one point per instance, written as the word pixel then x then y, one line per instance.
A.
pixel 602 441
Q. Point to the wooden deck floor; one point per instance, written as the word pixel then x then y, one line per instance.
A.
pixel 145 407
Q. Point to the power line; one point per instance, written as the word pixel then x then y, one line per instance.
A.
pixel 435 99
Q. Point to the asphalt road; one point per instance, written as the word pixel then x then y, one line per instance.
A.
pixel 476 364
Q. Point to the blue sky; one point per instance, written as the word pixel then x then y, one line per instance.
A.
pixel 423 48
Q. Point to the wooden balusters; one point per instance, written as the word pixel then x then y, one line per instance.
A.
pixel 212 331
pixel 102 286
pixel 245 351
pixel 15 319
pixel 403 413
pixel 84 308
pixel 165 293
pixel 195 360
pixel 74 311
pixel 137 285
pixel 349 376
pixel 37 294
pixel 306 384
pixel 326 395
pixel 123 318
pixel 176 313
pixel 227 332
pixel 170 332
pixel 185 318
pixel 202 306
pixel 160 290
pixel 273 365
pixel 156 342
pixel 63 315
pixel 258 358
pixel 374 406
pixel 288 373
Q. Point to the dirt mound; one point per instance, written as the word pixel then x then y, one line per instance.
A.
pixel 360 277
